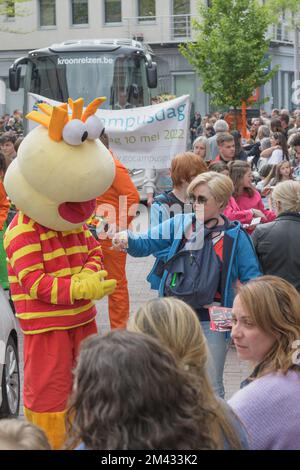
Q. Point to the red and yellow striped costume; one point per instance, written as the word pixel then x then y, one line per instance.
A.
pixel 41 263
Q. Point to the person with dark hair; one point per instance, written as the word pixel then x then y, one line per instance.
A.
pixel 246 202
pixel 285 124
pixel 130 394
pixel 7 142
pixel 275 125
pixel 18 143
pixel 278 150
pixel 240 154
pixel 195 123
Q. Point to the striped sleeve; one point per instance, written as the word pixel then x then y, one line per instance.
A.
pixel 24 252
pixel 94 260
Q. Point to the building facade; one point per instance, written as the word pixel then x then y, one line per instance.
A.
pixel 161 23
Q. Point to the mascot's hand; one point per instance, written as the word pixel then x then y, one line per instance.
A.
pixel 84 274
pixel 93 287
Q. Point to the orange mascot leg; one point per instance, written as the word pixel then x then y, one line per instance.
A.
pixel 118 302
pixel 49 359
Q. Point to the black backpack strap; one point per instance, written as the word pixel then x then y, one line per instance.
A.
pixel 218 228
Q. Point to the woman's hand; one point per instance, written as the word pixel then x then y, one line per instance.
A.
pixel 258 213
pixel 120 241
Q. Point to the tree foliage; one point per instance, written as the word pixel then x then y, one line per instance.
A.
pixel 290 9
pixel 230 51
pixel 9 11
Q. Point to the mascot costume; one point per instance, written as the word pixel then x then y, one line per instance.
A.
pixel 54 263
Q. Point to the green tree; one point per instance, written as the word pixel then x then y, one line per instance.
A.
pixel 9 11
pixel 230 51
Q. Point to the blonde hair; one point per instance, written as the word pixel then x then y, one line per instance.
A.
pixel 288 194
pixel 16 434
pixel 176 325
pixel 220 186
pixel 273 305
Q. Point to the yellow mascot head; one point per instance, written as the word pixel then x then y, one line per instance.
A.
pixel 61 166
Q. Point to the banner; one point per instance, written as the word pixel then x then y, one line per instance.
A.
pixel 146 137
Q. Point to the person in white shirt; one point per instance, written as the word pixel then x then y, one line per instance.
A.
pixel 278 150
pixel 122 102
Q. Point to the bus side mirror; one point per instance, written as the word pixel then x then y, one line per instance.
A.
pixel 15 73
pixel 14 77
pixel 151 71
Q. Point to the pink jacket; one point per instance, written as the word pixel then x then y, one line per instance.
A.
pixel 240 208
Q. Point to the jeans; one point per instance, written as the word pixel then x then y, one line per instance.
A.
pixel 217 343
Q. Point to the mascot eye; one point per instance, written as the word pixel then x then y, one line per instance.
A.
pixel 75 132
pixel 94 127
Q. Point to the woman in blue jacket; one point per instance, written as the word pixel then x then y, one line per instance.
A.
pixel 209 193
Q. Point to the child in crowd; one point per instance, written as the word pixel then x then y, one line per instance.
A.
pixel 175 325
pixel 283 172
pixel 17 434
pixel 266 332
pixel 246 202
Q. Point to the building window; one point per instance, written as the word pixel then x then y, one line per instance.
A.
pixel 80 12
pixel 10 9
pixel 181 7
pixel 146 10
pixel 181 19
pixel 113 11
pixel 47 13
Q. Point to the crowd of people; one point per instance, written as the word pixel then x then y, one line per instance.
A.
pixel 224 235
pixel 12 123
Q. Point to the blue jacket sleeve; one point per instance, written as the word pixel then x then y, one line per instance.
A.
pixel 157 238
pixel 248 265
pixel 159 213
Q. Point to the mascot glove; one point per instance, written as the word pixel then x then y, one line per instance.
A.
pixel 84 274
pixel 93 287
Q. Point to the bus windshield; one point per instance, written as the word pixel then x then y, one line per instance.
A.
pixel 119 77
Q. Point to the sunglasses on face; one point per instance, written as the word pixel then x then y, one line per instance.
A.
pixel 198 199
